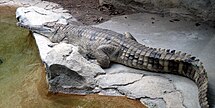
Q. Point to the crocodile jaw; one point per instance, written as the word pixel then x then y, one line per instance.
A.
pixel 40 29
pixel 35 19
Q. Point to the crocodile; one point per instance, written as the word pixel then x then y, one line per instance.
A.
pixel 108 46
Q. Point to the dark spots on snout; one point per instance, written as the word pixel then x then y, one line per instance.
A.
pixel 18 18
pixel 27 12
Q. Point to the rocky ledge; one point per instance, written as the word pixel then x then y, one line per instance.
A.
pixel 69 72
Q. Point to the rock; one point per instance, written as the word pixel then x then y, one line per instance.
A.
pixel 155 89
pixel 117 79
pixel 110 92
pixel 172 101
pixel 43 44
pixel 152 86
pixel 68 55
pixel 153 102
pixel 64 80
pixel 69 72
pixel 28 15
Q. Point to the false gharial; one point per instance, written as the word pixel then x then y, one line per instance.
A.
pixel 108 46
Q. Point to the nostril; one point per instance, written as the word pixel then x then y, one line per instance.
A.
pixel 18 18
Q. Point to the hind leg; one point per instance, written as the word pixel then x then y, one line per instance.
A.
pixel 128 35
pixel 102 57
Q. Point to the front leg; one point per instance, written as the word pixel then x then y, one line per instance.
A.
pixel 102 55
pixel 86 54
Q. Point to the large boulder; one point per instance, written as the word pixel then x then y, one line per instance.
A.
pixel 69 72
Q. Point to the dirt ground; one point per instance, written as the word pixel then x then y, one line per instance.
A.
pixel 90 12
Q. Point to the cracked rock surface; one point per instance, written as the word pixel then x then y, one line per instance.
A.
pixel 123 79
pixel 69 72
pixel 154 86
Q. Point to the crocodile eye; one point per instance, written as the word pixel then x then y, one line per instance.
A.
pixel 49 24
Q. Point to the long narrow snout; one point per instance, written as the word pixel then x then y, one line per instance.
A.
pixel 30 19
pixel 40 29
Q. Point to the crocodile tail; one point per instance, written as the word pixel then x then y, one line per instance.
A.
pixel 167 61
pixel 201 79
pixel 195 70
pixel 188 66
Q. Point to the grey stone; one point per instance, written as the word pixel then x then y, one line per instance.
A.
pixel 110 92
pixel 151 86
pixel 28 15
pixel 172 101
pixel 68 55
pixel 153 103
pixel 191 93
pixel 64 80
pixel 117 79
pixel 69 72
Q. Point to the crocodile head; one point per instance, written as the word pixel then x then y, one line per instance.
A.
pixel 37 20
pixel 47 29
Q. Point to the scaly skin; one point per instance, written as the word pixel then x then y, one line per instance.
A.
pixel 108 46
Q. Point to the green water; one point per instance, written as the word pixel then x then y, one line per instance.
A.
pixel 22 74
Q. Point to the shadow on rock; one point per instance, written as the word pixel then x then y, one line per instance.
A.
pixel 64 80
